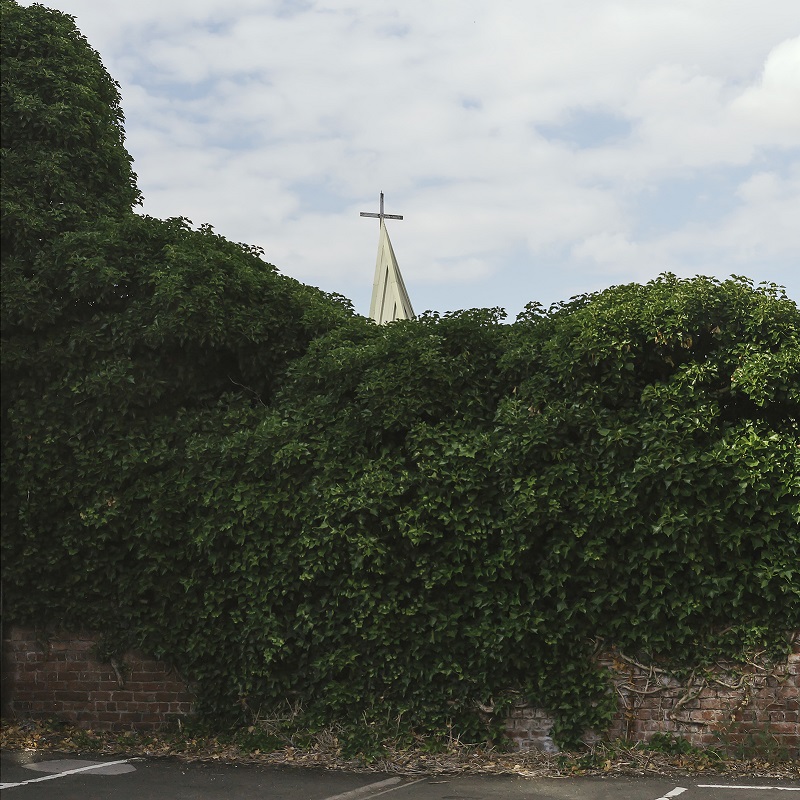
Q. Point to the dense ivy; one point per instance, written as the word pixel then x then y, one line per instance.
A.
pixel 62 129
pixel 206 459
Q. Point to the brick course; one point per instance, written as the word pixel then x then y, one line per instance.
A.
pixel 732 707
pixel 61 677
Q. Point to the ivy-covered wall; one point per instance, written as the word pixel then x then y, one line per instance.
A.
pixel 737 709
pixel 215 464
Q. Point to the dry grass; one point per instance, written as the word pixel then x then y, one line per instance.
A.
pixel 323 750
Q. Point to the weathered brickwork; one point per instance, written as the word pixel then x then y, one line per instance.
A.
pixel 60 676
pixel 529 728
pixel 758 706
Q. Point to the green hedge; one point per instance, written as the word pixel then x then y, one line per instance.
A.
pixel 213 462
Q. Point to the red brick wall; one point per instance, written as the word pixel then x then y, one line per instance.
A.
pixel 733 708
pixel 60 676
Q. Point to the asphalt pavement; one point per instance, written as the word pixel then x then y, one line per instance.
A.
pixel 49 777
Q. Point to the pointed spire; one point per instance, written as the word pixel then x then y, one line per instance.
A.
pixel 390 299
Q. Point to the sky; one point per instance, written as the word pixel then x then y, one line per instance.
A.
pixel 536 149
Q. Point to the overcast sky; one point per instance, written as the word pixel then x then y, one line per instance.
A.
pixel 537 149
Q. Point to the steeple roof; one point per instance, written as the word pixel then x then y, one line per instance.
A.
pixel 390 299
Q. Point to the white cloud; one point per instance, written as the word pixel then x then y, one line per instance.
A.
pixel 773 104
pixel 278 121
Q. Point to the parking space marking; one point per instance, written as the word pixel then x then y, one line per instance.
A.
pixel 727 786
pixel 402 786
pixel 672 793
pixel 374 789
pixel 55 776
pixel 66 764
pixel 364 790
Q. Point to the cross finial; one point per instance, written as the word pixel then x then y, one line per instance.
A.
pixel 381 216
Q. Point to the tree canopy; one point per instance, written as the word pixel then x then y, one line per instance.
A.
pixel 63 157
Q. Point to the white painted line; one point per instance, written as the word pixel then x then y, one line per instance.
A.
pixel 58 775
pixel 66 764
pixel 672 793
pixel 375 789
pixel 364 791
pixel 402 786
pixel 728 786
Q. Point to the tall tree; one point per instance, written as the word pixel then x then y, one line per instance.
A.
pixel 63 157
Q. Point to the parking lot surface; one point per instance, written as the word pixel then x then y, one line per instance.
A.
pixel 49 777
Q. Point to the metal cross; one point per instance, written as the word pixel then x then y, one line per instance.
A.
pixel 381 216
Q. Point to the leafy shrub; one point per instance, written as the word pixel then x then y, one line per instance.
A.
pixel 210 461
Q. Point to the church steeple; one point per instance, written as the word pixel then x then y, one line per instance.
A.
pixel 390 299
